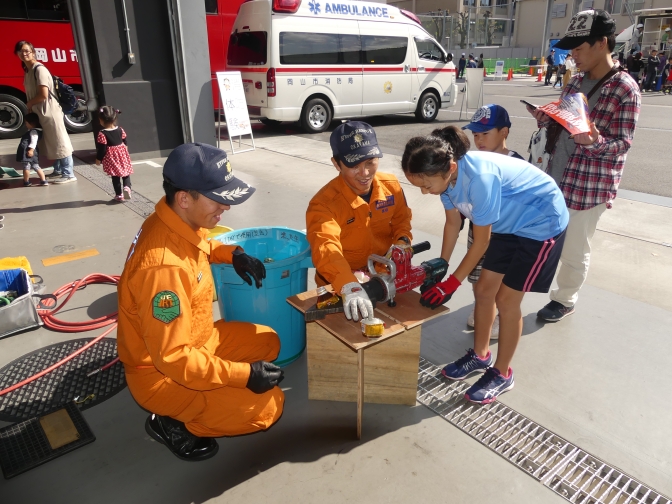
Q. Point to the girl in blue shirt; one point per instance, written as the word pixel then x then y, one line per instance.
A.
pixel 519 217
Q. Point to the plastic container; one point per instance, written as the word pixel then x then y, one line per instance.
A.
pixel 286 255
pixel 218 231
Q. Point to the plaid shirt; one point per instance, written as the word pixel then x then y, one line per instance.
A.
pixel 594 171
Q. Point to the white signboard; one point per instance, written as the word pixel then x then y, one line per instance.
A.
pixel 474 88
pixel 233 103
pixel 499 68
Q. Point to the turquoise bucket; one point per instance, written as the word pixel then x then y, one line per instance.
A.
pixel 286 255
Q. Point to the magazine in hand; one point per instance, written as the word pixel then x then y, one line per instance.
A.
pixel 571 112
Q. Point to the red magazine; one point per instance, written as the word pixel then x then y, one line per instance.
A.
pixel 571 112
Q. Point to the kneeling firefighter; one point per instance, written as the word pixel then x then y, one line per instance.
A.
pixel 199 379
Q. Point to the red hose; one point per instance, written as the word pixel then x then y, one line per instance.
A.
pixel 55 324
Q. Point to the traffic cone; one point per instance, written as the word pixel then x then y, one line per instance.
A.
pixel 484 74
pixel 510 76
pixel 531 71
pixel 539 75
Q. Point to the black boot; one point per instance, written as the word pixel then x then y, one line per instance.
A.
pixel 179 440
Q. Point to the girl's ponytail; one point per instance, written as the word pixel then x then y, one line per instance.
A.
pixel 457 139
pixel 431 155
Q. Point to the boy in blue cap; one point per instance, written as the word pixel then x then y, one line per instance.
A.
pixel 490 127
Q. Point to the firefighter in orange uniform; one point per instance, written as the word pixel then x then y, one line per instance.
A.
pixel 199 379
pixel 359 213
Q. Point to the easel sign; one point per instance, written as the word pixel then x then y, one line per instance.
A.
pixel 232 101
pixel 499 69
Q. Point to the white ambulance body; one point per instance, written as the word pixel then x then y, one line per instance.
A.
pixel 313 61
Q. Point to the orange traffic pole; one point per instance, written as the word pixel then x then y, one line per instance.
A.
pixel 531 71
pixel 539 75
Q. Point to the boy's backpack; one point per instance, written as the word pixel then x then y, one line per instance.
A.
pixel 65 95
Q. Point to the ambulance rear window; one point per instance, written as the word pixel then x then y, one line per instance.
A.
pixel 384 50
pixel 247 48
pixel 297 48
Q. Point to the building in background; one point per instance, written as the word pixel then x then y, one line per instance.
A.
pixel 489 26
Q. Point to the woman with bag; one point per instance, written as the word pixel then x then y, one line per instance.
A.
pixel 41 96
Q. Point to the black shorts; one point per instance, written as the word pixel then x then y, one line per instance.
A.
pixel 527 265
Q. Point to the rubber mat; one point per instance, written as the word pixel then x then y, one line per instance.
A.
pixel 65 383
pixel 24 445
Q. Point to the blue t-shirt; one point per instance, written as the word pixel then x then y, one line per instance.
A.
pixel 512 195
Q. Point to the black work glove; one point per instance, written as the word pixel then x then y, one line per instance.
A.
pixel 264 376
pixel 244 264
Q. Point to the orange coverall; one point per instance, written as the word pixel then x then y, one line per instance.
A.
pixel 343 229
pixel 178 362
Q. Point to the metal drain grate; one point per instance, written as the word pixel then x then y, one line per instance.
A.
pixel 139 204
pixel 563 467
pixel 65 383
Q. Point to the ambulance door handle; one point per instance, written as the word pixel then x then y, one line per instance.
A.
pixel 407 68
pixel 421 69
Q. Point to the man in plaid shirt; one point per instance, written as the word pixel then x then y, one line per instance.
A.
pixel 588 167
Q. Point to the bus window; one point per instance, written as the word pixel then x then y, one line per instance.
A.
pixel 51 10
pixel 247 48
pixel 384 50
pixel 211 7
pixel 13 9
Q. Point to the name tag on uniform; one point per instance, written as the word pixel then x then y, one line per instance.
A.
pixel 388 202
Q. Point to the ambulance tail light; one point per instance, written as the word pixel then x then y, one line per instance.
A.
pixel 270 82
pixel 410 15
pixel 287 6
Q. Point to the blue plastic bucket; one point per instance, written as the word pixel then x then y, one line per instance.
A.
pixel 286 255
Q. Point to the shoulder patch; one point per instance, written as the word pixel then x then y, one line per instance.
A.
pixel 166 306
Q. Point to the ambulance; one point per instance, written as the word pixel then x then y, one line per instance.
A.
pixel 312 61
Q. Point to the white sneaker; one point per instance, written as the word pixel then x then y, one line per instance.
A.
pixel 64 180
pixel 494 334
pixel 127 193
pixel 470 319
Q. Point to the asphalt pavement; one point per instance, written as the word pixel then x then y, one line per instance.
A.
pixel 647 170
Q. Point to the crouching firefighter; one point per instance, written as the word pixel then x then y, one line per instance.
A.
pixel 199 379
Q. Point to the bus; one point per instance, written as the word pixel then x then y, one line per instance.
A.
pixel 46 24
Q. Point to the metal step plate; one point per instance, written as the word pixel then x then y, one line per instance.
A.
pixel 569 471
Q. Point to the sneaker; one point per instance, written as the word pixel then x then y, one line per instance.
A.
pixel 44 183
pixel 27 184
pixel 464 366
pixel 489 386
pixel 554 311
pixel 119 198
pixel 494 333
pixel 64 180
pixel 54 175
pixel 127 192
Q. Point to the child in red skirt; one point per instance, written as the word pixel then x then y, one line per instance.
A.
pixel 112 152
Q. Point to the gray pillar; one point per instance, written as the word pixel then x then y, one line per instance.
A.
pixel 192 68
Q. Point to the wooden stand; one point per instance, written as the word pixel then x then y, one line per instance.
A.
pixel 335 349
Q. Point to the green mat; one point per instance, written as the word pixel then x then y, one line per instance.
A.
pixel 11 172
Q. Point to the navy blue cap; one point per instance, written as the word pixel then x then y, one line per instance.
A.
pixel 488 117
pixel 206 170
pixel 353 142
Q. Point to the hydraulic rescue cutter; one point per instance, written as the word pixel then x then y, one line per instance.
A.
pixel 391 275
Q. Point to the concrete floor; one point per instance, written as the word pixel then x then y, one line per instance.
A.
pixel 597 379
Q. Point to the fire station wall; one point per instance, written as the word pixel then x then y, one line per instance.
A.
pixel 145 92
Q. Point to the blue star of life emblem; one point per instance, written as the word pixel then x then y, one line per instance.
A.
pixel 314 7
